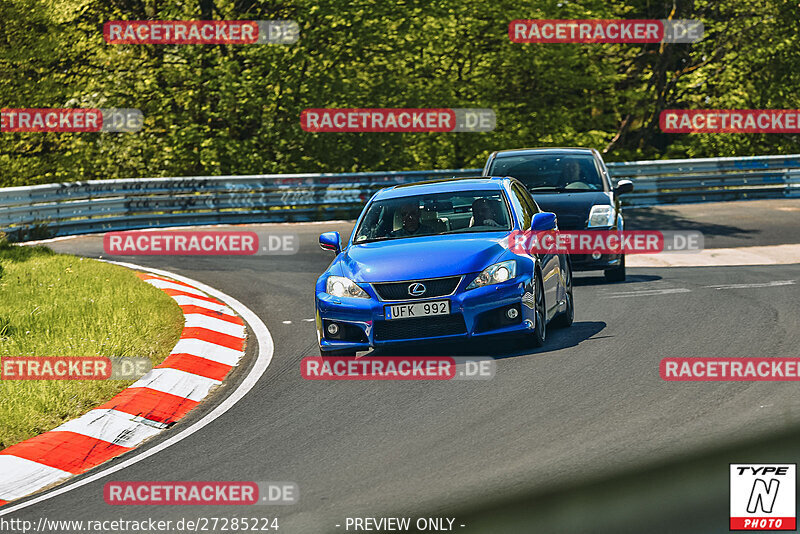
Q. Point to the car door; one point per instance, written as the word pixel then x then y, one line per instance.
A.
pixel 550 262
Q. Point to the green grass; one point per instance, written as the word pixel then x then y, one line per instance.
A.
pixel 59 305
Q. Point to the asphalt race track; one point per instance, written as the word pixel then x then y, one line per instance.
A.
pixel 587 405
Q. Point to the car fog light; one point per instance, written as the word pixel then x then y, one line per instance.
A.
pixel 512 313
pixel 333 329
pixel 596 255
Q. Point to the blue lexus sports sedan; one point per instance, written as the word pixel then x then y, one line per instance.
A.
pixel 431 261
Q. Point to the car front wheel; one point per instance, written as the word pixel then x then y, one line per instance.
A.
pixel 617 274
pixel 566 318
pixel 540 331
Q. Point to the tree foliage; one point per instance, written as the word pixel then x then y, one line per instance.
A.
pixel 225 110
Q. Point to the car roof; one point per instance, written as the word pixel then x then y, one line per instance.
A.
pixel 448 185
pixel 543 150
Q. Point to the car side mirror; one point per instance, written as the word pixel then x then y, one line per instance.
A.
pixel 623 186
pixel 330 241
pixel 543 221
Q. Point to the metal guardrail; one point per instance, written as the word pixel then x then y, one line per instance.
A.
pixel 51 210
pixel 709 180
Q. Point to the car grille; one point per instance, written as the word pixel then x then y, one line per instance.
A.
pixel 420 327
pixel 436 287
pixel 571 222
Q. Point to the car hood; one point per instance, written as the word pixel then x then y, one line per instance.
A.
pixel 572 209
pixel 416 258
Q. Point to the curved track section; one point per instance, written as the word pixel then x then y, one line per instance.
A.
pixel 589 404
pixel 262 348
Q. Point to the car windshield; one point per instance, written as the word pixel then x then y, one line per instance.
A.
pixel 550 172
pixel 434 214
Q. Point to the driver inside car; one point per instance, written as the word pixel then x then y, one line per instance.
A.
pixel 570 174
pixel 411 224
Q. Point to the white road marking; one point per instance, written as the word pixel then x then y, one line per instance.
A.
pixel 671 291
pixel 22 477
pixel 112 426
pixel 776 283
pixel 266 348
pixel 183 300
pixel 648 293
pixel 719 257
pixel 196 320
pixel 176 382
pixel 207 350
pixel 164 284
pixel 309 320
pixel 286 322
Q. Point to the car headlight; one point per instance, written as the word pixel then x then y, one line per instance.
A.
pixel 339 286
pixel 601 216
pixel 495 274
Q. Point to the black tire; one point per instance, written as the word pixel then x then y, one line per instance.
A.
pixel 539 334
pixel 617 274
pixel 340 352
pixel 567 317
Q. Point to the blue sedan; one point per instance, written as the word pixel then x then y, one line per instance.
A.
pixel 431 261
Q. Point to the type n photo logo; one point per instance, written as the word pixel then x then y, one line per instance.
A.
pixel 763 496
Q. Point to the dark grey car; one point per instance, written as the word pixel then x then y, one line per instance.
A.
pixel 573 183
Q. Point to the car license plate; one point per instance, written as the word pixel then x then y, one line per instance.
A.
pixel 418 309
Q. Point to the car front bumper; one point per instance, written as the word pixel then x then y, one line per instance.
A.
pixel 475 313
pixel 585 262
